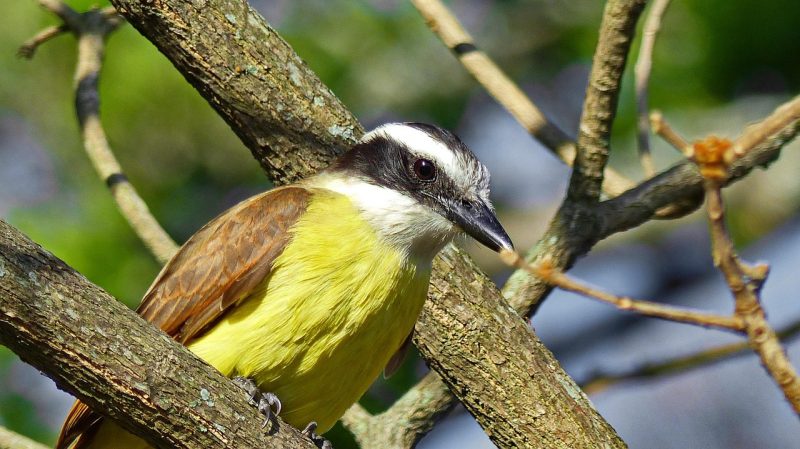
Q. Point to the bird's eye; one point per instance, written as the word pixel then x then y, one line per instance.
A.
pixel 424 169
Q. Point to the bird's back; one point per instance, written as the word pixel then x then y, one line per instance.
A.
pixel 337 305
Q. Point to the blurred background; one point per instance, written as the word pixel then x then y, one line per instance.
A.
pixel 718 65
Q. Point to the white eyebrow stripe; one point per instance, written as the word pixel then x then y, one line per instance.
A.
pixel 422 144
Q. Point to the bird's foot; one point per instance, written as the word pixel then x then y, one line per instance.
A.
pixel 264 402
pixel 311 432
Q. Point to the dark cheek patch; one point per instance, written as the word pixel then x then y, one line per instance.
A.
pixel 389 163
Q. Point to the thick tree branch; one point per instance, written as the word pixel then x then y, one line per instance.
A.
pixel 103 353
pixel 484 344
pixel 288 118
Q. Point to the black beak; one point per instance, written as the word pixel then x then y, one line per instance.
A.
pixel 477 219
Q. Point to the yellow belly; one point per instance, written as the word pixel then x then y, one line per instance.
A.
pixel 338 303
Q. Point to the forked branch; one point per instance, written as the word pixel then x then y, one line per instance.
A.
pixel 92 28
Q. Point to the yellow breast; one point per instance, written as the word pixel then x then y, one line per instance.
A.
pixel 336 306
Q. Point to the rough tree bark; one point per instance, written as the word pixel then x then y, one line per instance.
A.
pixel 103 353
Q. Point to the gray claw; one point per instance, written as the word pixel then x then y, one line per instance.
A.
pixel 311 432
pixel 264 402
pixel 249 386
pixel 273 401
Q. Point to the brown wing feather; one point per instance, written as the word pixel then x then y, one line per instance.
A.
pixel 217 267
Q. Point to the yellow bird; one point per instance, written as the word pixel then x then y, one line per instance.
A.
pixel 310 290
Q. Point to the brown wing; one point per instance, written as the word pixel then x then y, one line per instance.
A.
pixel 213 270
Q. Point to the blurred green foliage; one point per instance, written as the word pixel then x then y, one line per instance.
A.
pixel 380 59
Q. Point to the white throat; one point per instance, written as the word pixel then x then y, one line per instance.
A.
pixel 398 219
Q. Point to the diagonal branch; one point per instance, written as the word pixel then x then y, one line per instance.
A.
pixel 489 75
pixel 291 122
pixel 558 279
pixel 102 352
pixel 601 381
pixel 92 29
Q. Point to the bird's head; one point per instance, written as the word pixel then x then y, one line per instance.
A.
pixel 419 185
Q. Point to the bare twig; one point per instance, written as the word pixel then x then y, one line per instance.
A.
pixel 92 28
pixel 754 135
pixel 30 46
pixel 647 308
pixel 665 131
pixel 489 75
pixel 601 381
pixel 91 42
pixel 744 281
pixel 644 64
pixel 600 106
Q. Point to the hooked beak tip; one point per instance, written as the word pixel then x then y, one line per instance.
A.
pixel 480 223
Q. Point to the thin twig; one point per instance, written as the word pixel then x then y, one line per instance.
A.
pixel 647 308
pixel 601 381
pixel 753 135
pixel 30 46
pixel 644 65
pixel 92 28
pixel 489 75
pixel 665 131
pixel 745 290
